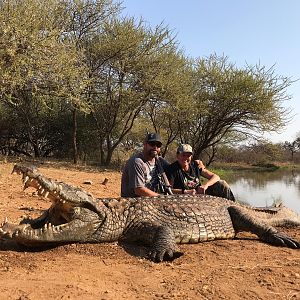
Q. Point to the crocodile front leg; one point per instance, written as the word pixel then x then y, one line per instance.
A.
pixel 164 245
pixel 160 238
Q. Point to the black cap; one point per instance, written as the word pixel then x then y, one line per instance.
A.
pixel 153 137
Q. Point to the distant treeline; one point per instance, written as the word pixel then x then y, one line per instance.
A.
pixel 261 153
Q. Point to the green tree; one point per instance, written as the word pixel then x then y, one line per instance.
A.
pixel 292 147
pixel 130 65
pixel 32 129
pixel 36 56
pixel 228 100
pixel 42 57
pixel 86 18
pixel 39 63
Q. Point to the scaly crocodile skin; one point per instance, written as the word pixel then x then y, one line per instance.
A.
pixel 160 222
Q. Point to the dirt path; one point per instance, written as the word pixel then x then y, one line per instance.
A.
pixel 231 269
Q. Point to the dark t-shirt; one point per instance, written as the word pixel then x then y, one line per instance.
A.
pixel 184 180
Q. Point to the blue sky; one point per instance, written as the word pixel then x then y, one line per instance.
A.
pixel 247 31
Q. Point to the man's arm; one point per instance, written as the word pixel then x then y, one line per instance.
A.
pixel 212 179
pixel 143 191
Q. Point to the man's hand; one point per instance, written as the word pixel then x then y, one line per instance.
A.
pixel 190 192
pixel 201 189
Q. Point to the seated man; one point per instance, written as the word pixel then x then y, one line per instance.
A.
pixel 141 175
pixel 184 176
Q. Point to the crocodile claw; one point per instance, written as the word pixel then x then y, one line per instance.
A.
pixel 281 239
pixel 287 241
pixel 161 255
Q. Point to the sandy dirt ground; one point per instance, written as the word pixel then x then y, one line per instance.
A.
pixel 243 268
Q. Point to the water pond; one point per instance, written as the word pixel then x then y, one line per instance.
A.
pixel 265 188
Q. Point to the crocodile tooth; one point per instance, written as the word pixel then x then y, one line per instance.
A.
pixel 26 178
pixel 64 201
pixel 46 194
pixel 60 228
pixel 5 221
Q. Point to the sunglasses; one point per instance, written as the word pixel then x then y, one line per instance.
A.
pixel 152 144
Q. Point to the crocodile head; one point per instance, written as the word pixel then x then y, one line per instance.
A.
pixel 74 215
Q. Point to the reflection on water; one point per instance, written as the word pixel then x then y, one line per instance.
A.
pixel 265 188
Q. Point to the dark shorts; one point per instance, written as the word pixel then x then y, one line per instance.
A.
pixel 220 189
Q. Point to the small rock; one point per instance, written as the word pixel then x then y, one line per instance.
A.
pixel 88 182
pixel 105 181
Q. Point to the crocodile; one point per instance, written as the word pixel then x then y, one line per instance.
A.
pixel 158 222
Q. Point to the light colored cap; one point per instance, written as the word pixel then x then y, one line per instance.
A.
pixel 185 148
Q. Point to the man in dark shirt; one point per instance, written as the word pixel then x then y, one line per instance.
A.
pixel 185 176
